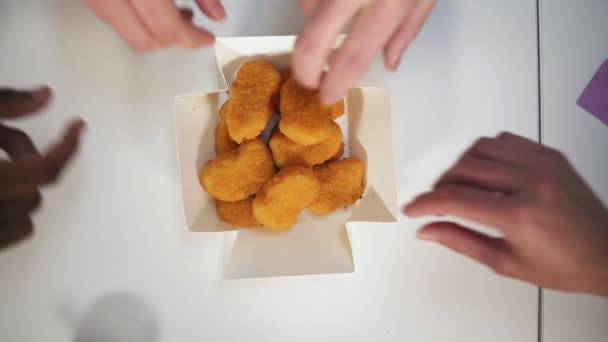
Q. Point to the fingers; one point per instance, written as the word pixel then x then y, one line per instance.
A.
pixel 520 143
pixel 486 250
pixel 372 28
pixel 16 143
pixel 149 25
pixel 168 26
pixel 404 35
pixel 503 151
pixel 212 8
pixel 18 207
pixel 317 37
pixel 306 6
pixel 186 13
pixel 14 231
pixel 25 175
pixel 60 154
pixel 123 17
pixel 482 173
pixel 15 103
pixel 464 202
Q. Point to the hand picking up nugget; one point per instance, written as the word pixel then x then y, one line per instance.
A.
pixel 309 97
pixel 342 184
pixel 223 141
pixel 304 119
pixel 237 174
pixel 239 213
pixel 254 95
pixel 288 153
pixel 281 200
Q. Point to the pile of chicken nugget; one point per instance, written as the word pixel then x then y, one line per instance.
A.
pixel 255 184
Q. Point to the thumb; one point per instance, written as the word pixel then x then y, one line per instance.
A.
pixel 485 249
pixel 212 8
pixel 16 103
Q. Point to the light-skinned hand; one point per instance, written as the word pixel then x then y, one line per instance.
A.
pixel 555 229
pixel 154 24
pixel 377 25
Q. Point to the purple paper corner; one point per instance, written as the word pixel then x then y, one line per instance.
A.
pixel 594 98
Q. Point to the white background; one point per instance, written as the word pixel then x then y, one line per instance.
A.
pixel 111 247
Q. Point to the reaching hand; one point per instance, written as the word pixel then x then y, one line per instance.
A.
pixel 27 170
pixel 388 25
pixel 555 229
pixel 153 24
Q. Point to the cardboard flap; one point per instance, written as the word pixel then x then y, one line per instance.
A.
pixel 370 139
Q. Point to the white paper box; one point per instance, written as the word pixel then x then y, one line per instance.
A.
pixel 317 244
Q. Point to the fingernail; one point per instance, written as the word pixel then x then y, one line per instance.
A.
pixel 396 64
pixel 426 235
pixel 81 123
pixel 219 12
pixel 40 93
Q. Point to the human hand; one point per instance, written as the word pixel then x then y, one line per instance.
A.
pixel 27 170
pixel 555 230
pixel 390 25
pixel 153 24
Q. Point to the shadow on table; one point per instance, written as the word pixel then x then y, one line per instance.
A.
pixel 117 317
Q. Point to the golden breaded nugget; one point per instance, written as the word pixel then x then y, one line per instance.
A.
pixel 287 153
pixel 239 213
pixel 299 98
pixel 304 119
pixel 305 128
pixel 223 142
pixel 237 174
pixel 336 110
pixel 254 94
pixel 285 75
pixel 342 184
pixel 338 154
pixel 281 200
pixel 296 98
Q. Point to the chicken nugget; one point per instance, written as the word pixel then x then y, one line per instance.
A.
pixel 237 174
pixel 239 213
pixel 285 75
pixel 223 142
pixel 336 110
pixel 342 184
pixel 298 98
pixel 304 119
pixel 286 194
pixel 306 128
pixel 254 94
pixel 338 154
pixel 287 153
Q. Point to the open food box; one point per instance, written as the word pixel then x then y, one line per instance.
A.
pixel 317 244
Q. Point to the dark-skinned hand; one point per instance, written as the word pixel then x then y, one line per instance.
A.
pixel 26 170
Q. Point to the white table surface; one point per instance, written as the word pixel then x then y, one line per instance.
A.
pixel 574 44
pixel 112 255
